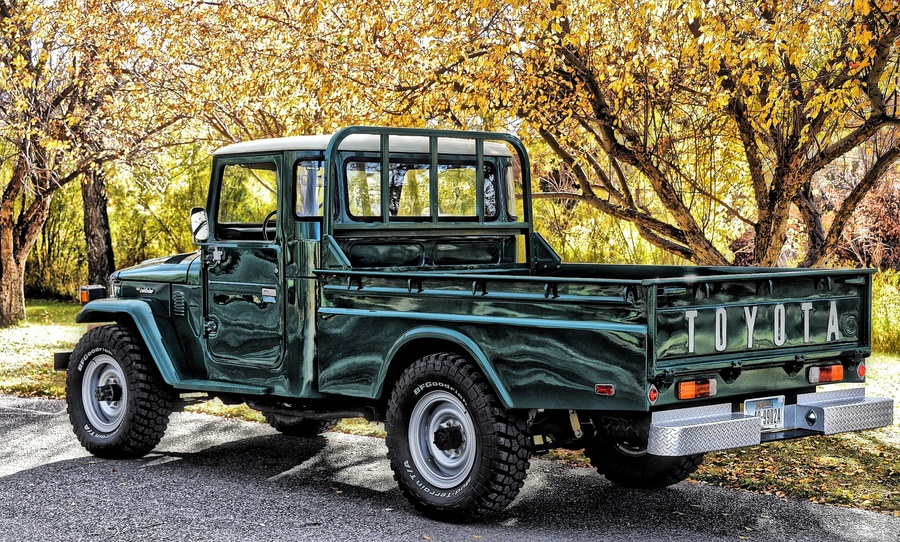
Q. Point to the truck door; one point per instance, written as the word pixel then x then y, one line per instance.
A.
pixel 244 288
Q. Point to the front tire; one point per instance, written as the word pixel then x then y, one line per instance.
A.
pixel 117 402
pixel 456 453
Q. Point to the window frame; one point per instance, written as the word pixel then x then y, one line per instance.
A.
pixel 237 231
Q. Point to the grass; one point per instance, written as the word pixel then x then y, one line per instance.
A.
pixel 861 470
pixel 26 350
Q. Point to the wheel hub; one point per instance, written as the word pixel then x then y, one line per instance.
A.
pixel 448 438
pixel 109 393
pixel 442 439
pixel 104 396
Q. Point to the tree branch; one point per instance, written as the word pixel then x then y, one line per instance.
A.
pixel 820 254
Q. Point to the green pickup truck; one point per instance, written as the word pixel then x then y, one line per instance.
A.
pixel 394 274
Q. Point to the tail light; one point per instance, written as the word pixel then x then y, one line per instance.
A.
pixel 828 373
pixel 695 389
pixel 652 394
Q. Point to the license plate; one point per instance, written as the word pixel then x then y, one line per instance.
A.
pixel 769 409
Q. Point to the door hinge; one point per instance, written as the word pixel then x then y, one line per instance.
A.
pixel 214 257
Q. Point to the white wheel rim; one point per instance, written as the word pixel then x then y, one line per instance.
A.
pixel 104 416
pixel 444 469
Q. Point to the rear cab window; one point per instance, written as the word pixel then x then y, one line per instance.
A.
pixel 410 195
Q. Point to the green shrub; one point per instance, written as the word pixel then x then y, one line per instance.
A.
pixel 886 312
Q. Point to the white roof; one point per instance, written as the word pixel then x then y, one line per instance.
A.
pixel 363 142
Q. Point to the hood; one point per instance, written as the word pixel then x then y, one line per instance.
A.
pixel 172 269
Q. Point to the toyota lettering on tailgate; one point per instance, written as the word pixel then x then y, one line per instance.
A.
pixel 736 328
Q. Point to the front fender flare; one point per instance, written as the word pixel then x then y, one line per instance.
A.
pixel 166 353
pixel 468 345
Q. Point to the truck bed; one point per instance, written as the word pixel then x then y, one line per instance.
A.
pixel 553 337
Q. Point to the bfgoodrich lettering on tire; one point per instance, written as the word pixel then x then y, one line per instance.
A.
pixel 456 453
pixel 117 402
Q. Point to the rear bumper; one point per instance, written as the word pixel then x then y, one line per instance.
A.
pixel 715 427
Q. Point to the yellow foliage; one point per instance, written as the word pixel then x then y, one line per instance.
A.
pixel 676 115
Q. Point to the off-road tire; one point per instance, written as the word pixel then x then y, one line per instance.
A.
pixel 619 453
pixel 114 357
pixel 298 427
pixel 486 459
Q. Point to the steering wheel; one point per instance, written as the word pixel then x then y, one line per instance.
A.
pixel 265 224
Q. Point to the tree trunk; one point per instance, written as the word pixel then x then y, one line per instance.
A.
pixel 771 233
pixel 12 269
pixel 97 234
pixel 12 288
pixel 18 233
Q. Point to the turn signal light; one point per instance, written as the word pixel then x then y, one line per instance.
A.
pixel 696 389
pixel 90 293
pixel 830 373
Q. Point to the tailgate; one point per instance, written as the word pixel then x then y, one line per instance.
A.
pixel 758 318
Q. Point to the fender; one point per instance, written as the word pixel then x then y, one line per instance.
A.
pixel 467 344
pixel 151 331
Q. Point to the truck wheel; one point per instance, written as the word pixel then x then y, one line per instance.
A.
pixel 620 454
pixel 117 402
pixel 298 427
pixel 456 453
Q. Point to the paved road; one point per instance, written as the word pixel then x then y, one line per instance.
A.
pixel 221 480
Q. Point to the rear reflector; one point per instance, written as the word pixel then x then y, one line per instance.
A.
pixel 605 389
pixel 696 389
pixel 831 373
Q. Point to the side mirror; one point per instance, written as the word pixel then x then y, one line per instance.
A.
pixel 199 225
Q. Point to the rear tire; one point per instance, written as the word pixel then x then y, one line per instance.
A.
pixel 117 402
pixel 298 427
pixel 620 454
pixel 456 453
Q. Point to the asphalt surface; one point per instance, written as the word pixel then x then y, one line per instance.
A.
pixel 221 480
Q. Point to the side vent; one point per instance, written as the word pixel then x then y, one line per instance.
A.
pixel 178 303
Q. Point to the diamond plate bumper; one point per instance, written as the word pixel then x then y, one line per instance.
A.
pixel 715 427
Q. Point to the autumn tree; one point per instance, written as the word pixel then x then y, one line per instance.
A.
pixel 692 120
pixel 259 69
pixel 70 88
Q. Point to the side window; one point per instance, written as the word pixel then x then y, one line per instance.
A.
pixel 248 193
pixel 308 188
